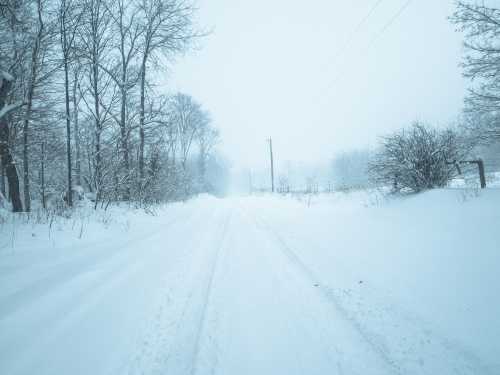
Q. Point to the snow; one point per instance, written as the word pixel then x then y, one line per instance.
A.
pixel 347 283
pixel 9 108
pixel 6 75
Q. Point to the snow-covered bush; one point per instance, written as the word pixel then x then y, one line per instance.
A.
pixel 417 158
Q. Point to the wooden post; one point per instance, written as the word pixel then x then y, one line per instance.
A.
pixel 482 177
pixel 480 166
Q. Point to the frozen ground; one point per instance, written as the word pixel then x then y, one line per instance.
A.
pixel 342 284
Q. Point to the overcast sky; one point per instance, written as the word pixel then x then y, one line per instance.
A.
pixel 308 75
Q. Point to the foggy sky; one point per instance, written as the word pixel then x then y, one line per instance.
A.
pixel 279 68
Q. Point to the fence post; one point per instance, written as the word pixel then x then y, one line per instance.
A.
pixel 482 177
pixel 480 167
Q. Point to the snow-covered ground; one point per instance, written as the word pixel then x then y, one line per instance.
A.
pixel 349 283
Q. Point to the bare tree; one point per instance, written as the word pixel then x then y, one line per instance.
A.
pixel 95 42
pixel 188 117
pixel 168 29
pixel 77 97
pixel 207 138
pixel 128 31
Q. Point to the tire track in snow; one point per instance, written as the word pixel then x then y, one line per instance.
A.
pixel 311 278
pixel 467 363
pixel 151 351
pixel 303 325
pixel 184 351
pixel 207 294
pixel 63 313
pixel 70 316
pixel 59 275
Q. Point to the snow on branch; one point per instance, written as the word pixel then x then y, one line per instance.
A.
pixel 6 76
pixel 9 108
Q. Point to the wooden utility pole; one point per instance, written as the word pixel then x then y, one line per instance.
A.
pixel 272 163
pixel 250 183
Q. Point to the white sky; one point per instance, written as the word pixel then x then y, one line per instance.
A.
pixel 275 68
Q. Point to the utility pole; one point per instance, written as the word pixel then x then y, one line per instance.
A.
pixel 272 163
pixel 250 183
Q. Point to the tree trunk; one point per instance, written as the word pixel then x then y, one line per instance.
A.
pixel 66 47
pixel 68 133
pixel 26 177
pixel 2 178
pixel 78 165
pixel 141 119
pixel 12 178
pixel 124 138
pixel 7 161
pixel 10 167
pixel 98 130
pixel 42 175
pixel 31 91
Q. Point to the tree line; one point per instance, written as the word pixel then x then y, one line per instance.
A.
pixel 81 107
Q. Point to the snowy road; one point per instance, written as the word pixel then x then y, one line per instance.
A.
pixel 213 289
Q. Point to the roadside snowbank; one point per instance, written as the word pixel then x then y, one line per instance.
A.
pixel 81 305
pixel 41 231
pixel 436 256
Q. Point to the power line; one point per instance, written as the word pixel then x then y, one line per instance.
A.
pixel 368 15
pixel 355 31
pixel 376 37
pixel 389 24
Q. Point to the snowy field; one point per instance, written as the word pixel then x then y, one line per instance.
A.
pixel 349 283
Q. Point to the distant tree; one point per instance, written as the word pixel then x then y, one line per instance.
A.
pixel 312 186
pixel 188 117
pixel 417 158
pixel 217 174
pixel 207 137
pixel 283 184
pixel 167 30
pixel 350 169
